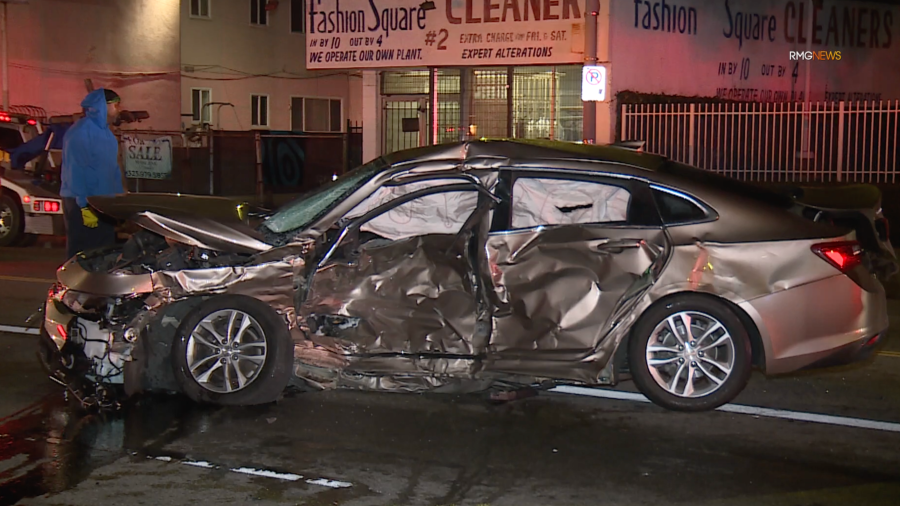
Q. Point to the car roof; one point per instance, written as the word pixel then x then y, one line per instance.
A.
pixel 521 149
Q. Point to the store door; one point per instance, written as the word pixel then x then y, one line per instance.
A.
pixel 404 122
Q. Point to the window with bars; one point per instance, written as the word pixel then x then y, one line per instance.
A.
pixel 259 110
pixel 316 115
pixel 200 9
pixel 258 14
pixel 539 102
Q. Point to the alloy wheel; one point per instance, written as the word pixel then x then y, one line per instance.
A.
pixel 226 351
pixel 690 354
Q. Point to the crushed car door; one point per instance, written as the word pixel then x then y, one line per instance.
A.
pixel 569 256
pixel 398 279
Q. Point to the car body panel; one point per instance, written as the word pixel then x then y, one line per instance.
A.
pixel 457 311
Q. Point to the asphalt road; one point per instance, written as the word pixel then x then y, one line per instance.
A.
pixel 355 448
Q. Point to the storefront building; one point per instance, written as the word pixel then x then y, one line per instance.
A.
pixel 437 70
pixel 440 71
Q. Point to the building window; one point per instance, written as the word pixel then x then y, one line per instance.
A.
pixel 298 16
pixel 316 114
pixel 259 110
pixel 258 14
pixel 200 9
pixel 200 109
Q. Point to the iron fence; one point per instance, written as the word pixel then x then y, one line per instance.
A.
pixel 250 164
pixel 774 142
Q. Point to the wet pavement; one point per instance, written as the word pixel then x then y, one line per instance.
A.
pixel 356 448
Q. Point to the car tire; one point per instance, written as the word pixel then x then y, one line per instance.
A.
pixel 717 366
pixel 249 364
pixel 12 224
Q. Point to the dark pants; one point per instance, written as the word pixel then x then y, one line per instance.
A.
pixel 81 238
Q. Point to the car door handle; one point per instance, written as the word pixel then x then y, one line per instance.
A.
pixel 620 244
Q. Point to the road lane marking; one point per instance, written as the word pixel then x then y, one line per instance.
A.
pixel 27 280
pixel 844 421
pixel 262 473
pixel 12 329
pixel 895 354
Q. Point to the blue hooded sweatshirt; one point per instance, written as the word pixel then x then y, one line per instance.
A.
pixel 90 165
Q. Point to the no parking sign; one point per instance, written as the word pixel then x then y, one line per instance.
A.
pixel 593 83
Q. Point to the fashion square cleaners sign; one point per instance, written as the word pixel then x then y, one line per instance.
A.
pixel 352 34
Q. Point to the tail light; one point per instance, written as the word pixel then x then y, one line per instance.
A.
pixel 46 206
pixel 843 255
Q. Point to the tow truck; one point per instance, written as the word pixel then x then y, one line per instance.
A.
pixel 30 204
pixel 30 161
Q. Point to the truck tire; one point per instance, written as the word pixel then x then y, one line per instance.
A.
pixel 12 223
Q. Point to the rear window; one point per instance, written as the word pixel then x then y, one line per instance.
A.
pixel 10 138
pixel 674 209
pixel 727 184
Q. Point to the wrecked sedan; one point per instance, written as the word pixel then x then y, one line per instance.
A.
pixel 476 266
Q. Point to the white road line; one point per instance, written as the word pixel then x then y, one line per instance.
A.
pixel 267 474
pixel 844 421
pixel 329 483
pixel 12 329
pixel 263 473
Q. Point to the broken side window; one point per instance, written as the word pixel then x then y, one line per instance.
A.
pixel 546 201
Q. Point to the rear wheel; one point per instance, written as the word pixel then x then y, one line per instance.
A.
pixel 690 353
pixel 11 220
pixel 233 350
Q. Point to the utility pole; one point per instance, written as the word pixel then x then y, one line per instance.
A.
pixel 589 125
pixel 5 29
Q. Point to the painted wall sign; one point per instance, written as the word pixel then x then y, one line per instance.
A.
pixel 353 34
pixel 147 158
pixel 756 50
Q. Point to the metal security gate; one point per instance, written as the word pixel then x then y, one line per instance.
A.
pixel 778 142
pixel 404 122
pixel 539 102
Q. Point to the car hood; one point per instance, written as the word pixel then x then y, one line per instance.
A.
pixel 213 223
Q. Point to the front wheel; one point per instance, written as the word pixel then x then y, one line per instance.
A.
pixel 690 353
pixel 233 350
pixel 11 221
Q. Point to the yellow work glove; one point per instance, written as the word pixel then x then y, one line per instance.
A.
pixel 88 217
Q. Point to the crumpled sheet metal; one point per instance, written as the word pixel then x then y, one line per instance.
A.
pixel 417 295
pixel 272 283
pixel 567 283
pixel 204 232
pixel 741 272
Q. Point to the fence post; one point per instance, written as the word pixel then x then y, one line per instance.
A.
pixel 840 140
pixel 257 138
pixel 691 135
pixel 623 118
pixel 345 167
pixel 212 156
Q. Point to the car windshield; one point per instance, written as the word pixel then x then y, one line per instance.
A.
pixel 304 210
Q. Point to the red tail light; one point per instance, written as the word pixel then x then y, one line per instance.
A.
pixel 843 255
pixel 62 332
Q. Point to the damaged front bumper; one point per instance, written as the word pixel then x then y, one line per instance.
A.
pixel 91 337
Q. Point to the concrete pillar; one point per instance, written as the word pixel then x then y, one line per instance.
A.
pixel 606 122
pixel 371 115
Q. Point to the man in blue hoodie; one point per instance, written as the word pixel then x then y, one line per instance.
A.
pixel 90 167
